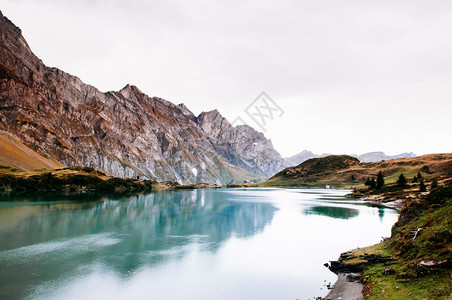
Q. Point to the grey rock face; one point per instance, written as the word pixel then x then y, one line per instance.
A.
pixel 125 133
pixel 379 156
pixel 302 157
pixel 241 145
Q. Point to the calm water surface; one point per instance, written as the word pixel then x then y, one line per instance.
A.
pixel 202 244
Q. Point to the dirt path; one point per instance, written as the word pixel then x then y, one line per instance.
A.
pixel 346 288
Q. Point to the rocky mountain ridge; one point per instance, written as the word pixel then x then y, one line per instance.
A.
pixel 365 157
pixel 380 156
pixel 125 133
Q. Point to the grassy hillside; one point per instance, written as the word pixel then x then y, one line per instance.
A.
pixel 15 154
pixel 347 171
pixel 409 267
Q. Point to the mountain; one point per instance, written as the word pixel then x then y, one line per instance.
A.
pixel 345 170
pixel 126 133
pixel 311 169
pixel 379 156
pixel 301 157
pixel 241 145
pixel 366 157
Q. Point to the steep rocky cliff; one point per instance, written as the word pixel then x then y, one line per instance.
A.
pixel 125 133
pixel 241 145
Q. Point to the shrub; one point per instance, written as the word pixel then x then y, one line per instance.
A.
pixel 434 184
pixel 371 183
pixel 422 187
pixel 440 194
pixel 402 182
pixel 6 180
pixel 380 180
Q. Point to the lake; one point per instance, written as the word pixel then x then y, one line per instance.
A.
pixel 199 244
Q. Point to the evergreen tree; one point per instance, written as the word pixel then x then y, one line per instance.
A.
pixel 380 180
pixel 422 187
pixel 373 183
pixel 434 184
pixel 414 179
pixel 419 175
pixel 402 182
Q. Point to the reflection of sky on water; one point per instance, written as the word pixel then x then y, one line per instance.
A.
pixel 272 239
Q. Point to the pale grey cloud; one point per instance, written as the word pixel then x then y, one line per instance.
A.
pixel 340 69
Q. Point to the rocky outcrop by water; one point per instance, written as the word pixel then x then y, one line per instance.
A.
pixel 125 133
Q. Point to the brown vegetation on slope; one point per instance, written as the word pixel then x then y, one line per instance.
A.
pixel 345 170
pixel 14 153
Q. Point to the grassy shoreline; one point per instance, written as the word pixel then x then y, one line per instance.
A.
pixel 80 179
pixel 406 266
pixel 72 179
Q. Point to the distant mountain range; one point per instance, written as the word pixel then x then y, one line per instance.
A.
pixel 301 157
pixel 379 156
pixel 366 157
pixel 52 118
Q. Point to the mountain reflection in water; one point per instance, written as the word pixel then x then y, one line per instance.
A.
pixel 122 234
pixel 333 212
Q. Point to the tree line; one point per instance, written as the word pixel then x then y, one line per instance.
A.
pixel 402 182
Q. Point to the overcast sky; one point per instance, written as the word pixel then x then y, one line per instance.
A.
pixel 350 76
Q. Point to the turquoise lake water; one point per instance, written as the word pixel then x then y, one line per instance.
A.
pixel 200 244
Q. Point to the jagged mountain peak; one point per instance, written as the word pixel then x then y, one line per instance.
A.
pixel 129 91
pixel 213 123
pixel 186 112
pixel 11 24
pixel 212 115
pixel 130 88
